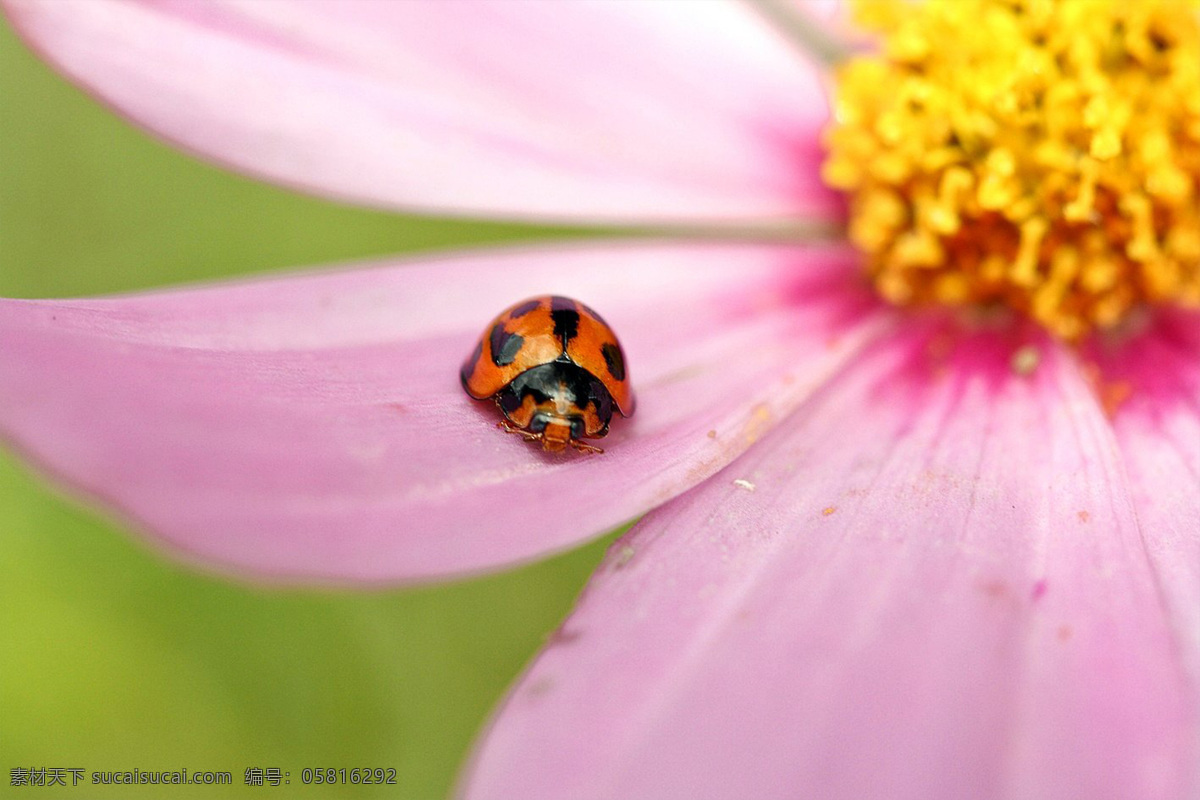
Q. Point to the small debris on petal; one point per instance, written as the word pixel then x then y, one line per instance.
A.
pixel 1111 394
pixel 745 484
pixel 562 636
pixel 994 588
pixel 757 425
pixel 828 510
pixel 623 556
pixel 1025 360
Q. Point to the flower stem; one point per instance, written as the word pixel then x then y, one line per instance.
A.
pixel 800 27
pixel 782 231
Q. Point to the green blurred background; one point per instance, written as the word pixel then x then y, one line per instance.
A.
pixel 114 658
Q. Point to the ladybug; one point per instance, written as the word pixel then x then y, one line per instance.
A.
pixel 555 369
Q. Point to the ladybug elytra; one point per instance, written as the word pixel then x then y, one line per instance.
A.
pixel 555 369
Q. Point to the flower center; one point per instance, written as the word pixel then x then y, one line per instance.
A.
pixel 1039 154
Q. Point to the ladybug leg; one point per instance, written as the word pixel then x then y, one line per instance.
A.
pixel 584 447
pixel 506 425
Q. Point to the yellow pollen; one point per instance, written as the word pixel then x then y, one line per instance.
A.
pixel 1042 154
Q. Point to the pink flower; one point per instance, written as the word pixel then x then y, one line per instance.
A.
pixel 877 559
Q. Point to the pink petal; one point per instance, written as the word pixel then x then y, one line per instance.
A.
pixel 1153 385
pixel 642 112
pixel 928 583
pixel 314 426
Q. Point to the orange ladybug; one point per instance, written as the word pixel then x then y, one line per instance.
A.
pixel 555 369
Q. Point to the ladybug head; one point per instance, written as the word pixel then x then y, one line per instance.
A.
pixel 558 432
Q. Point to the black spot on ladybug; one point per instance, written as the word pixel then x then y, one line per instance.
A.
pixel 614 360
pixel 566 318
pixel 591 312
pixel 524 308
pixel 509 402
pixel 505 345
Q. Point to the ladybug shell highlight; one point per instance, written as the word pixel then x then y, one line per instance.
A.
pixel 556 370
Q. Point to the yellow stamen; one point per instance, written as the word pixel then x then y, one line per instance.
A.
pixel 1043 154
